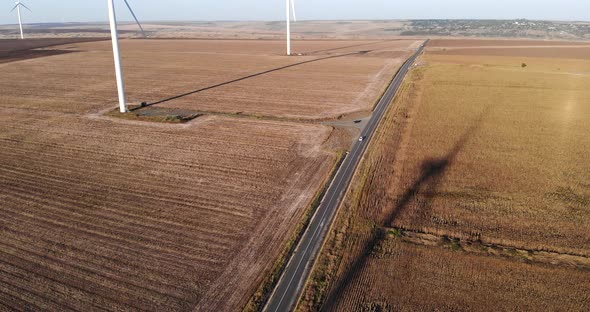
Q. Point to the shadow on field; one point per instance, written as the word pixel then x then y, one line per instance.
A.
pixel 351 46
pixel 16 49
pixel 433 171
pixel 250 76
pixel 13 56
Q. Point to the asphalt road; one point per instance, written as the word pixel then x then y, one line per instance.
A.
pixel 291 283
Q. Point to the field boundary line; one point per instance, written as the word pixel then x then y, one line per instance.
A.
pixel 484 247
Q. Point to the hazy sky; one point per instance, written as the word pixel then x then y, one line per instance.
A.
pixel 96 10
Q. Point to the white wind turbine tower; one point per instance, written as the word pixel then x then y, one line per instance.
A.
pixel 290 7
pixel 116 52
pixel 20 23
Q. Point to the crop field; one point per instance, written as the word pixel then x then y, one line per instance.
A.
pixel 474 196
pixel 465 43
pixel 99 213
pixel 250 77
pixel 409 277
pixel 515 48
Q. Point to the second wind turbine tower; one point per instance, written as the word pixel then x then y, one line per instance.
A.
pixel 20 22
pixel 290 6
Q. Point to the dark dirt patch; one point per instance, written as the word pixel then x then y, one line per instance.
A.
pixel 13 56
pixel 157 114
pixel 56 31
pixel 15 50
pixel 7 45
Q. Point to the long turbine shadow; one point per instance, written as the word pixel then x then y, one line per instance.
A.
pixel 248 77
pixel 433 171
pixel 351 46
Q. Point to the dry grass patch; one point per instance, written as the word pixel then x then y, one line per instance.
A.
pixel 462 43
pixel 480 150
pixel 511 140
pixel 407 277
pixel 582 52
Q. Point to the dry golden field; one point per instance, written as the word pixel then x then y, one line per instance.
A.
pixel 250 77
pixel 463 43
pixel 108 213
pixel 412 277
pixel 514 48
pixel 474 196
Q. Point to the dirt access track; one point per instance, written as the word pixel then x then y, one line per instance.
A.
pixel 105 213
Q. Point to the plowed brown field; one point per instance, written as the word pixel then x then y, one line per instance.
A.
pixel 100 214
pixel 228 76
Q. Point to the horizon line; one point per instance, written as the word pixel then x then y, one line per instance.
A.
pixel 309 20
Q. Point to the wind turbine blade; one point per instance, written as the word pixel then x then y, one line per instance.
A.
pixel 25 7
pixel 293 9
pixel 135 17
pixel 14 8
